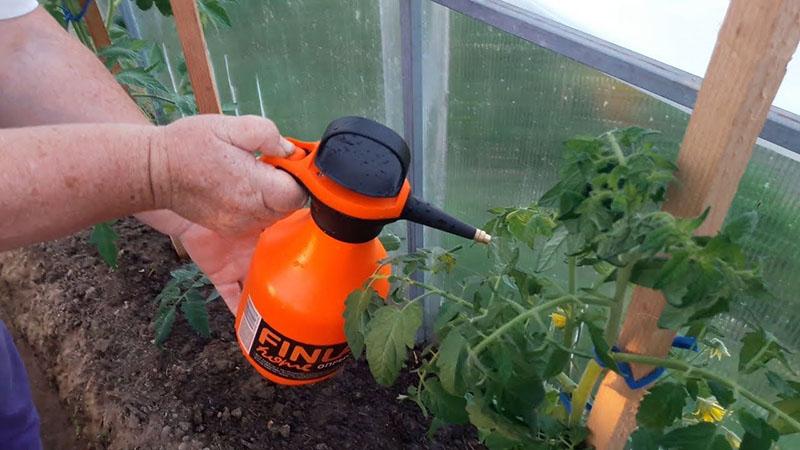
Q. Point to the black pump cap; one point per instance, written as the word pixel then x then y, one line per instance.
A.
pixel 364 156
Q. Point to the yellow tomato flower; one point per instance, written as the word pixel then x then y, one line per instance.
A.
pixel 717 349
pixel 559 318
pixel 708 410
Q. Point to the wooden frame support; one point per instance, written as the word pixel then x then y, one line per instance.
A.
pixel 755 43
pixel 96 26
pixel 201 74
pixel 193 43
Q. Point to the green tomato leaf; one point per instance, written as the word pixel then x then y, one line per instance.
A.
pixel 645 439
pixel 741 226
pixel 722 393
pixel 390 334
pixel 785 388
pixel 140 78
pixel 701 436
pixel 551 249
pixel 601 347
pixel 693 388
pixel 758 435
pixel 356 317
pixel 165 319
pixel 488 421
pixel 214 13
pixel 790 406
pixel 104 238
pixel 662 406
pixel 185 274
pixel 390 241
pixel 450 361
pixel 144 5
pixel 443 405
pixel 194 309
pixel 114 54
pixel 164 7
pixel 759 348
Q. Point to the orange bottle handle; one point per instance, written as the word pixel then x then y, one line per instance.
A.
pixel 301 165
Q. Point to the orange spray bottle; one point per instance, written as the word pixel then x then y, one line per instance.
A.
pixel 289 323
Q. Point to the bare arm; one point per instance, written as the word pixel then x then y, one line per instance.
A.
pixel 48 77
pixel 59 179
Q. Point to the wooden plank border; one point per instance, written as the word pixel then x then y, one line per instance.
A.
pixel 96 26
pixel 754 46
pixel 195 51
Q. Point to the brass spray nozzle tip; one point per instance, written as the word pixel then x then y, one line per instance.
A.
pixel 482 237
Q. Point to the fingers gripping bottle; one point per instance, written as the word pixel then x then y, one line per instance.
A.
pixel 289 324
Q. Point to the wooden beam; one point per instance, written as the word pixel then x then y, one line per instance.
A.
pixel 193 42
pixel 201 74
pixel 96 26
pixel 755 43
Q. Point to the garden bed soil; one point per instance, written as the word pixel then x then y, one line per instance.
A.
pixel 88 337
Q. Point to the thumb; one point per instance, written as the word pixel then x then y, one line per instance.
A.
pixel 252 134
pixel 280 192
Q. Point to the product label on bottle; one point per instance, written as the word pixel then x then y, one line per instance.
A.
pixel 286 357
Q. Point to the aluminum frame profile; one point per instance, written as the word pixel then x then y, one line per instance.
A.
pixel 781 128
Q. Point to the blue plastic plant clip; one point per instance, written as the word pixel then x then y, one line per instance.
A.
pixel 626 372
pixel 686 342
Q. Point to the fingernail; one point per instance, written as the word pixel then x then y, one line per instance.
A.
pixel 288 147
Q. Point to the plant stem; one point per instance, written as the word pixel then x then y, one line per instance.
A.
pixel 616 148
pixel 569 329
pixel 110 12
pixel 516 320
pixel 566 382
pixel 153 96
pixel 593 370
pixel 585 386
pixel 615 313
pixel 435 290
pixel 689 369
pixel 571 266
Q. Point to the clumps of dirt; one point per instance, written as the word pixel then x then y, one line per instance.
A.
pixel 91 330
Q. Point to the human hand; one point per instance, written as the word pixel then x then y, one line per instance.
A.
pixel 203 169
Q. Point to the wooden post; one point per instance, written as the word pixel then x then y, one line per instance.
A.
pixel 193 42
pixel 755 43
pixel 201 75
pixel 97 29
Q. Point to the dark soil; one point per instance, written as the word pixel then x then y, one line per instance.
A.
pixel 91 332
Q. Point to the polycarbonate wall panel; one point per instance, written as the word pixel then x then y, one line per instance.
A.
pixel 314 60
pixel 302 63
pixel 510 105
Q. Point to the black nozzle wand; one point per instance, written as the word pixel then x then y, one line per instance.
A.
pixel 426 214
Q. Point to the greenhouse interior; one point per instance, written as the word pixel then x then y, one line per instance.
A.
pixel 502 224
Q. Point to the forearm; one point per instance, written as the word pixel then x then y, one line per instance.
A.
pixel 59 179
pixel 49 77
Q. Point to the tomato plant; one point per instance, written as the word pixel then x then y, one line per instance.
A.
pixel 511 340
pixel 188 292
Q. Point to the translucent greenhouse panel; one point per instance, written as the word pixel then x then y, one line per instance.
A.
pixel 509 105
pixel 302 63
pixel 681 33
pixel 771 188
